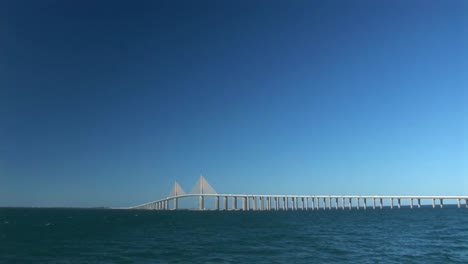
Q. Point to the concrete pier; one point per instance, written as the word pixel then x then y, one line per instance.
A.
pixel 217 202
pixel 201 202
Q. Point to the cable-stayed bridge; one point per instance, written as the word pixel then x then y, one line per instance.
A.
pixel 245 202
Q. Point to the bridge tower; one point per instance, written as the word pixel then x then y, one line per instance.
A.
pixel 176 191
pixel 202 187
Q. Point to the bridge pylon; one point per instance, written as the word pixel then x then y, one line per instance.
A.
pixel 202 187
pixel 176 191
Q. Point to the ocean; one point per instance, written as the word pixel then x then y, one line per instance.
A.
pixel 426 235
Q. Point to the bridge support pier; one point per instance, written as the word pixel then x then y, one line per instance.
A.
pixel 391 204
pixel 373 203
pixel 365 204
pixel 466 203
pixel 411 203
pixel 433 203
pixel 244 203
pixel 419 203
pixel 175 204
pixel 217 202
pixel 441 203
pixel 350 203
pixel 399 203
pixel 358 203
pixel 225 201
pixel 329 203
pixel 234 202
pixel 336 203
pixel 459 203
pixel 201 205
pixel 343 203
pixel 324 203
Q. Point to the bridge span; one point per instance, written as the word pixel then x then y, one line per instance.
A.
pixel 269 202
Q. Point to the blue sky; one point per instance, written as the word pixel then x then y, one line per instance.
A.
pixel 108 104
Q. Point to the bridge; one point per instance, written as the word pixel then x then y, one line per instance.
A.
pixel 245 202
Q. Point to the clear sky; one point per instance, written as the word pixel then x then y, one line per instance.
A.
pixel 107 103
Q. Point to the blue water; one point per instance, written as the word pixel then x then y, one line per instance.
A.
pixel 128 236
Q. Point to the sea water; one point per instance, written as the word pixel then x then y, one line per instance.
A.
pixel 404 235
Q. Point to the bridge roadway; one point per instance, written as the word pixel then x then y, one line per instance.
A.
pixel 298 202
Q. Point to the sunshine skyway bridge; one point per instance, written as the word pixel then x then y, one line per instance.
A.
pixel 246 202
